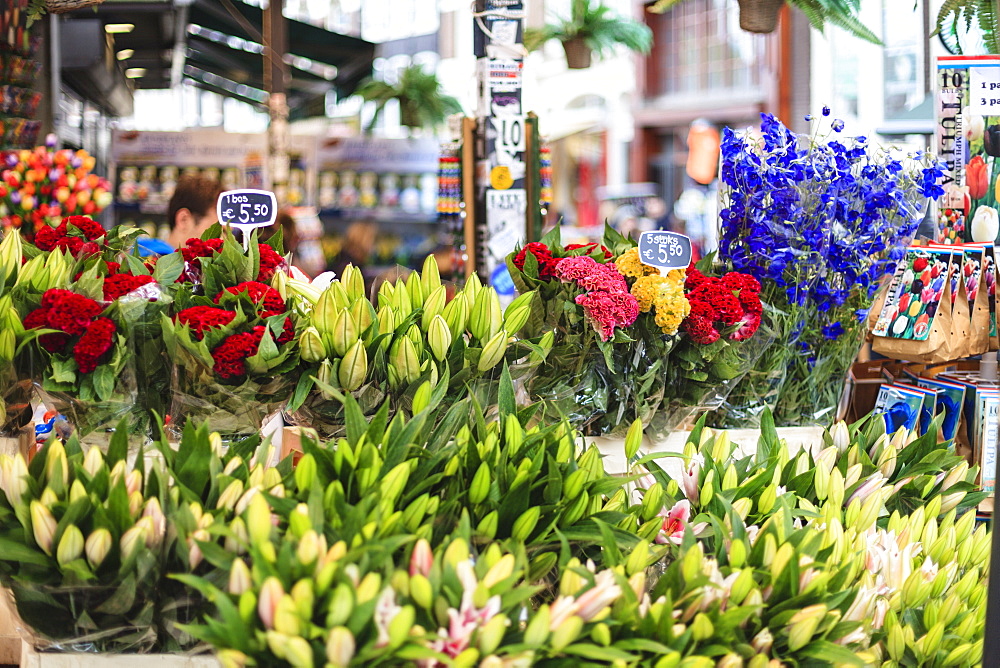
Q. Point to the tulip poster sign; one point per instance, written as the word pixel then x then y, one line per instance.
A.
pixel 968 140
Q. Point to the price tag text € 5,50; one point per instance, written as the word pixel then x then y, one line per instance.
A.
pixel 666 250
pixel 247 208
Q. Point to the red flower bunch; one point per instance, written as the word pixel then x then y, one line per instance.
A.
pixel 270 261
pixel 49 238
pixel 546 263
pixel 230 355
pixel 73 315
pixel 196 248
pixel 199 319
pixel 93 344
pixel 119 285
pixel 267 299
pixel 716 303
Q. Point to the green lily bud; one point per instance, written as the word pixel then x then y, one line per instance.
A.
pixel 237 541
pixel 345 332
pixel 422 397
pixel 394 482
pixel 480 487
pixel 493 351
pixel 487 526
pixel 341 605
pixel 369 587
pixel 702 627
pixel 402 300
pixel 311 346
pixel 97 546
pixel 240 579
pixel 57 466
pixel 309 548
pixel 13 474
pixel 762 642
pixel 354 367
pixel 328 376
pixel 456 315
pixel 545 343
pixel 43 526
pixel 486 318
pixel 415 289
pixel 430 275
pixel 457 550
pixel 567 632
pixel 271 593
pixel 325 312
pixel 11 251
pixel 803 625
pixel 230 495
pixel 404 361
pixel 353 283
pixel 134 538
pixel 298 653
pixel 48 498
pixel 730 660
pixel 538 628
pixel 491 634
pixel 304 598
pixel 339 647
pixel 305 473
pixel 439 337
pixel 416 337
pixel 259 520
pixel 70 545
pixel 525 524
pixel 433 306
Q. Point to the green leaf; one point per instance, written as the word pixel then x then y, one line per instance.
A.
pixel 507 403
pixel 168 268
pixel 13 550
pixel 596 653
pixel 832 653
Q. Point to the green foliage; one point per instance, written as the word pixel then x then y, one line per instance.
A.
pixel 421 102
pixel 598 25
pixel 956 15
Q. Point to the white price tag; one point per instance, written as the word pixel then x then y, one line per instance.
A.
pixel 984 90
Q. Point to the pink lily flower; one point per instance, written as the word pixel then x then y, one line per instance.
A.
pixel 674 522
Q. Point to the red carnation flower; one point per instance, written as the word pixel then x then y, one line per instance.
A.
pixel 47 236
pixel 267 299
pixel 120 285
pixel 269 262
pixel 230 355
pixel 93 344
pixel 201 318
pixel 90 227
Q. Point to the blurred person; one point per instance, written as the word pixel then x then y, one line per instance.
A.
pixel 289 233
pixel 190 212
pixel 359 243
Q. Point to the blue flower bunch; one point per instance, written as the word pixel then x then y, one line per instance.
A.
pixel 820 218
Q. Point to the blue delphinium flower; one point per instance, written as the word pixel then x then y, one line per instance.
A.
pixel 833 331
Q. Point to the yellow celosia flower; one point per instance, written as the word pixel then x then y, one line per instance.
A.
pixel 646 290
pixel 671 304
pixel 629 264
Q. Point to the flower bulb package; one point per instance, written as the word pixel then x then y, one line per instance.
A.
pixel 949 398
pixel 901 406
pixel 967 139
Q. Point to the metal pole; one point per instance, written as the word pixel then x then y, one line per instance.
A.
pixel 275 35
pixel 991 644
pixel 55 78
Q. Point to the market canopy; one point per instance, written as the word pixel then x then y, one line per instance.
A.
pixel 225 53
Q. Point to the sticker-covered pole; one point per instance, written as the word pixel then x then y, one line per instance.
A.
pixel 991 644
pixel 501 195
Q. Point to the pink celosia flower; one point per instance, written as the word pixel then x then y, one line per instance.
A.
pixel 606 310
pixel 674 522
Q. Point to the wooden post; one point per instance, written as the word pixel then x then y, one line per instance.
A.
pixel 469 193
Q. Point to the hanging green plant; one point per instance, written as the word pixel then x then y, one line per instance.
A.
pixel 957 18
pixel 422 104
pixel 591 29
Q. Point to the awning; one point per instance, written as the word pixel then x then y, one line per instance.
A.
pixel 320 60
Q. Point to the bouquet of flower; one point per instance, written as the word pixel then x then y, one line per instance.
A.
pixel 818 221
pixel 415 334
pixel 43 185
pixel 629 342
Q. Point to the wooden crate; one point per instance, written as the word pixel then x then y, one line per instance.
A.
pixel 31 658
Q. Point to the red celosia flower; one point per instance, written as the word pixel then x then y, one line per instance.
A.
pixel 701 330
pixel 201 318
pixel 93 344
pixel 47 236
pixel 39 318
pixel 751 322
pixel 121 284
pixel 267 299
pixel 546 263
pixel 230 355
pixel 72 244
pixel 68 311
pixel 196 248
pixel 90 227
pixel 288 332
pixel 269 262
pixel 113 267
pixel 694 278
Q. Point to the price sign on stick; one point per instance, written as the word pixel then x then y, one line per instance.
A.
pixel 246 209
pixel 666 250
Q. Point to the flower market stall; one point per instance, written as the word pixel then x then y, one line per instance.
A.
pixel 485 486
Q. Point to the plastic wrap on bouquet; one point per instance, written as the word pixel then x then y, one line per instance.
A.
pixel 119 619
pixel 707 387
pixel 95 420
pixel 235 411
pixel 15 402
pixel 325 414
pixel 141 312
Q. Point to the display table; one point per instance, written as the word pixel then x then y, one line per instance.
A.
pixel 30 658
pixel 745 441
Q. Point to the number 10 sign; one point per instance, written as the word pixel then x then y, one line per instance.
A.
pixel 667 250
pixel 247 208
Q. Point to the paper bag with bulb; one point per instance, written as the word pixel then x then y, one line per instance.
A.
pixel 924 313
